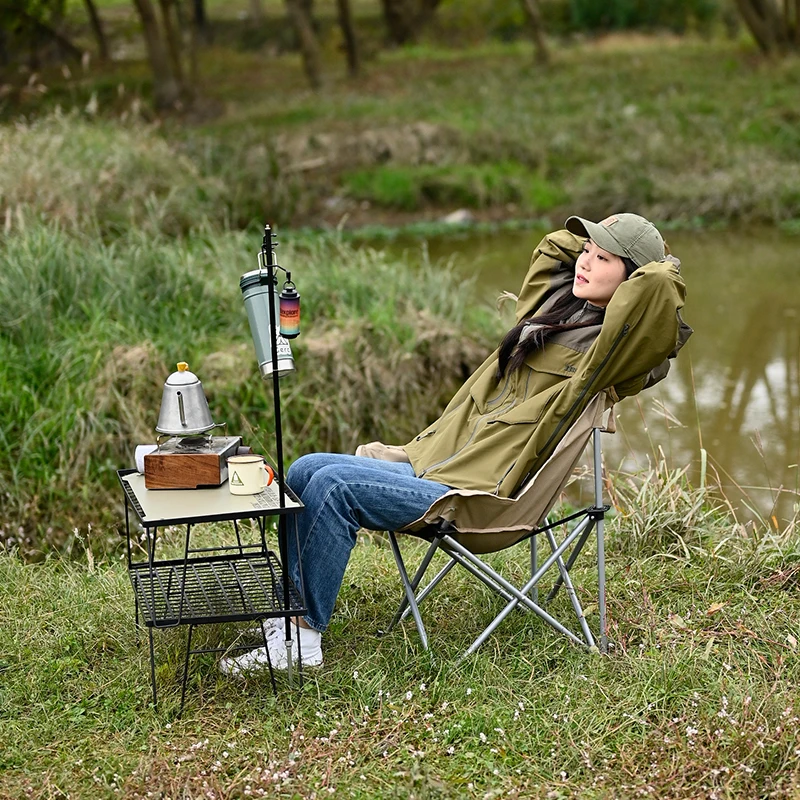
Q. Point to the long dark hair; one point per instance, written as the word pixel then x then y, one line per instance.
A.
pixel 512 353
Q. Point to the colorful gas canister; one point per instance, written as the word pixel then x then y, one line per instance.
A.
pixel 290 310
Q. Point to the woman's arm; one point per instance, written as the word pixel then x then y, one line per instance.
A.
pixel 642 327
pixel 552 267
pixel 640 330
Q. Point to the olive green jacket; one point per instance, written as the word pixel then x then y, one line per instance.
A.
pixel 492 435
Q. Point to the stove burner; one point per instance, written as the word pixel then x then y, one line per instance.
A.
pixel 194 442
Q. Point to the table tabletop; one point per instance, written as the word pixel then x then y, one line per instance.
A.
pixel 157 507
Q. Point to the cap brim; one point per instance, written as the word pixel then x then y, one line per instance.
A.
pixel 597 233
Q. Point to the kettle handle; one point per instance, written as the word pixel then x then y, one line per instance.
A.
pixel 181 411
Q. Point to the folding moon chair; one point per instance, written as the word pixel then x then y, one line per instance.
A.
pixel 466 523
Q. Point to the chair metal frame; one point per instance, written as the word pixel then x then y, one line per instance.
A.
pixel 444 538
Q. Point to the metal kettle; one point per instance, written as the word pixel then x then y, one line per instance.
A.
pixel 184 408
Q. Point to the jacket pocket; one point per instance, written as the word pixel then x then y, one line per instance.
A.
pixel 531 410
pixel 555 360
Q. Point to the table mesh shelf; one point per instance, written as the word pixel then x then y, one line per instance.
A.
pixel 226 588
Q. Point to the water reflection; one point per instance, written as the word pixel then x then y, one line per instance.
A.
pixel 735 389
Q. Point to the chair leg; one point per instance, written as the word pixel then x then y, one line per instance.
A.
pixel 428 589
pixel 403 610
pixel 535 566
pixel 573 596
pixel 601 586
pixel 597 459
pixel 412 601
pixel 493 585
pixel 576 551
pixel 518 596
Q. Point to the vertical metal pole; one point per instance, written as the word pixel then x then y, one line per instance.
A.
pixel 269 262
pixel 238 537
pixel 601 548
pixel 534 566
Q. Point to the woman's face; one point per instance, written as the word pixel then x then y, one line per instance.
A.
pixel 598 273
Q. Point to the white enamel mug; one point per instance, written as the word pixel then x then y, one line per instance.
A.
pixel 249 474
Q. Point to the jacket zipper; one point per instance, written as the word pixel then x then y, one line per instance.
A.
pixel 505 475
pixel 422 436
pixel 592 377
pixel 499 397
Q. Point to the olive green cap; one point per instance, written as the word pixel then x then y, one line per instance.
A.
pixel 626 235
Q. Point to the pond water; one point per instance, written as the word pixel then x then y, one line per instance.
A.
pixel 735 388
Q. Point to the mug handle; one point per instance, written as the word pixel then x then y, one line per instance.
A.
pixel 270 475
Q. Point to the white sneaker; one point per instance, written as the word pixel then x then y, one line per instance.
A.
pixel 270 626
pixel 255 660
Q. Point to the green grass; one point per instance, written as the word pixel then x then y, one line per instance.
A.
pixel 459 185
pixel 92 330
pixel 697 700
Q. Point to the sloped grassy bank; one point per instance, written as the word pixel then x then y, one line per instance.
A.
pixel 91 331
pixel 682 130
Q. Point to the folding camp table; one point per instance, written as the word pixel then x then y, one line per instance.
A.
pixel 228 583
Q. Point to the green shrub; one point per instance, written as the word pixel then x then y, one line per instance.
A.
pixel 676 15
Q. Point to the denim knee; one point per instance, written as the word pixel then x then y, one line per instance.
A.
pixel 324 479
pixel 301 472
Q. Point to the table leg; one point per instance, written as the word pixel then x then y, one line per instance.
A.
pixel 186 667
pixel 152 668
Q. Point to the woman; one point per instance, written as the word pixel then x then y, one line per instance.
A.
pixel 598 310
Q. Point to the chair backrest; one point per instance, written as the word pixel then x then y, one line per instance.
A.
pixel 486 523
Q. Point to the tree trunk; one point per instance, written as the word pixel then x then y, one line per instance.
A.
pixel 773 31
pixel 97 29
pixel 797 24
pixel 173 39
pixel 399 17
pixel 349 36
pixel 307 39
pixel 257 12
pixel 201 21
pixel 166 89
pixel 534 16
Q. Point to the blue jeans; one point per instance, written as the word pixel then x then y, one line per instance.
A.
pixel 341 494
